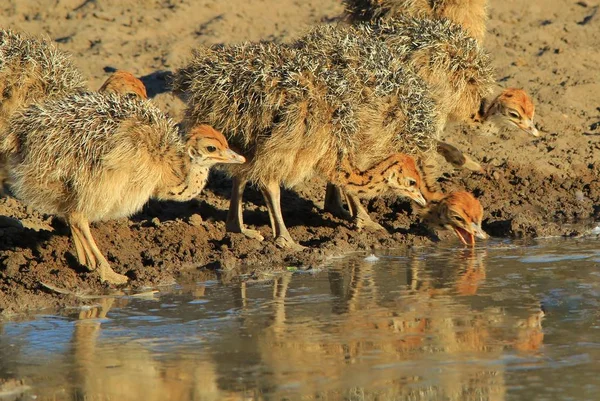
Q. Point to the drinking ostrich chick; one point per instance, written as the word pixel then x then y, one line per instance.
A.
pixel 89 157
pixel 295 115
pixel 470 14
pixel 460 212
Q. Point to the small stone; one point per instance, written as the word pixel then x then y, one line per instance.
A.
pixel 14 263
pixel 156 222
pixel 195 220
pixel 567 184
pixel 579 196
pixel 103 16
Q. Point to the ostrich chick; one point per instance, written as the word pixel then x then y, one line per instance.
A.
pixel 90 157
pixel 470 14
pixel 457 71
pixel 512 108
pixel 334 200
pixel 32 69
pixel 296 114
pixel 124 83
pixel 398 174
pixel 460 212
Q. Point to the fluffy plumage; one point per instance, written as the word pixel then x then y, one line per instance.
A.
pixel 295 111
pixel 455 67
pixel 91 156
pixel 457 70
pixel 67 151
pixel 32 69
pixel 470 14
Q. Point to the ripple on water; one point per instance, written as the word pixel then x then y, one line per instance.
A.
pixel 554 258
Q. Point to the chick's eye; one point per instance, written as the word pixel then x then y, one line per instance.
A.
pixel 211 149
pixel 458 219
pixel 514 114
pixel 411 182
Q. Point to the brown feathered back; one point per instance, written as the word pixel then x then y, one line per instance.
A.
pixel 470 14
pixel 294 112
pixel 457 70
pixel 32 69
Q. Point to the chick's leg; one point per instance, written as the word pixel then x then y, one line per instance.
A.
pixel 361 217
pixel 271 192
pixel 235 219
pixel 82 252
pixel 334 197
pixel 93 254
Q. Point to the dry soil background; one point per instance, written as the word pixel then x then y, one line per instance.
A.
pixel 533 187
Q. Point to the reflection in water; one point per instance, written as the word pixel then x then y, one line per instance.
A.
pixel 431 324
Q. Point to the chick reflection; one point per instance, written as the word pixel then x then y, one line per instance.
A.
pixel 421 331
pixel 321 357
pixel 448 284
pixel 461 274
pixel 426 319
pixel 130 371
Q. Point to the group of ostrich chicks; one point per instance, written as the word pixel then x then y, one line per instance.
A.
pixel 363 103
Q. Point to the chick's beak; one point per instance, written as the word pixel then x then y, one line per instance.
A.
pixel 529 127
pixel 472 165
pixel 478 231
pixel 417 196
pixel 229 156
pixel 467 235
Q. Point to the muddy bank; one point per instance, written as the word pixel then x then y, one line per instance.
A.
pixel 532 187
pixel 169 241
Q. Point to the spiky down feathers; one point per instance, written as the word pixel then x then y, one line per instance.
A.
pixel 456 68
pixel 294 113
pixel 101 155
pixel 471 15
pixel 32 69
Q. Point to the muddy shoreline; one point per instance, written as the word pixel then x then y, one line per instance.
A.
pixel 540 187
pixel 171 242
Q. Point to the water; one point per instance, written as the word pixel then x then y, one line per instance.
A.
pixel 505 322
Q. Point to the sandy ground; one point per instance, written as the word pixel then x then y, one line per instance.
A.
pixel 532 188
